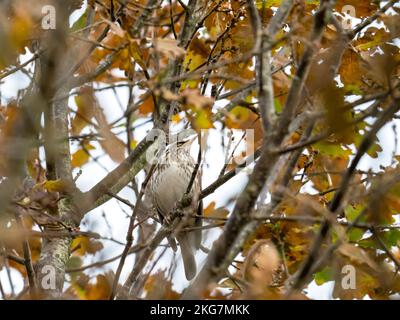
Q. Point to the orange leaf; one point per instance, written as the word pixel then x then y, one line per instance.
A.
pixel 147 106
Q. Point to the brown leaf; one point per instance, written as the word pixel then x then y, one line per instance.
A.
pixel 211 211
pixel 85 103
pixel 261 262
pixel 101 289
pixel 192 97
pixel 169 47
pixel 111 144
pixel 159 287
pixel 147 106
pixel 357 255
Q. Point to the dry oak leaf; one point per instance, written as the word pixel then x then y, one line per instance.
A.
pixel 168 47
pixel 262 261
pixel 357 255
pixel 194 98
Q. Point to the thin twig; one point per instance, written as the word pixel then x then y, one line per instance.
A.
pixel 129 236
pixel 28 260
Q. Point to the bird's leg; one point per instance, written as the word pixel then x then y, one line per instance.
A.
pixel 167 221
pixel 170 217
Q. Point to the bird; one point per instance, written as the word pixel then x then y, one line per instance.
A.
pixel 168 184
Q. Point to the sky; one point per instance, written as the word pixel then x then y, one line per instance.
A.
pixel 115 212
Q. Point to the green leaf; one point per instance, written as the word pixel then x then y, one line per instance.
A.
pixel 323 276
pixel 395 190
pixel 390 238
pixel 353 89
pixel 73 263
pixel 373 150
pixel 80 23
pixel 278 106
pixel 355 234
pixel 267 3
pixel 353 211
pixel 367 243
pixel 332 149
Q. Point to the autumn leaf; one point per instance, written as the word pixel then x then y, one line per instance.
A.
pixel 84 245
pixel 81 156
pixel 261 263
pixel 86 109
pixel 237 115
pixel 158 286
pixel 211 211
pixel 195 99
pixel 137 54
pixel 168 47
pixel 216 23
pixel 55 185
pixel 101 289
pixel 147 106
pixel 114 146
pixel 357 255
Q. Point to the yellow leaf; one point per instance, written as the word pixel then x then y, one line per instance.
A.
pixel 133 144
pixel 193 61
pixel 271 3
pixel 209 209
pixel 125 61
pixel 84 245
pixel 80 157
pixel 176 118
pixel 203 120
pixel 136 53
pixel 236 116
pixel 54 185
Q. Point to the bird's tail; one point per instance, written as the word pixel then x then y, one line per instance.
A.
pixel 189 261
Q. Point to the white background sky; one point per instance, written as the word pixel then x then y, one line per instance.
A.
pixel 117 219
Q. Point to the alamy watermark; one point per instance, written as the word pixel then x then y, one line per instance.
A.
pixel 48 281
pixel 349 13
pixel 49 17
pixel 349 277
